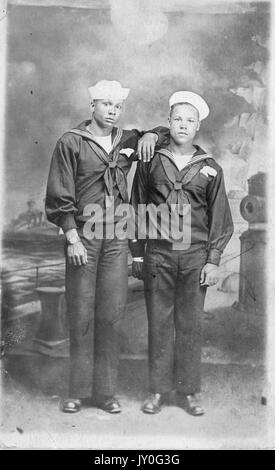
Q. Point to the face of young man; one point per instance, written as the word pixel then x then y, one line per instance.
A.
pixel 184 123
pixel 107 112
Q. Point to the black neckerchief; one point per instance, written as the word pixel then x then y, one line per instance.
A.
pixel 113 172
pixel 180 178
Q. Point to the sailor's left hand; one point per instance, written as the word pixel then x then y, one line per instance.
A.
pixel 146 146
pixel 209 275
pixel 137 269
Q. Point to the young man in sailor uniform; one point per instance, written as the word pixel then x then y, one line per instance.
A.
pixel 89 167
pixel 181 175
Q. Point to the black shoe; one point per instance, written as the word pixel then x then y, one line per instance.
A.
pixel 70 405
pixel 108 404
pixel 152 404
pixel 191 404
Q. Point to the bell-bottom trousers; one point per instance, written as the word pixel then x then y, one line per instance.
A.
pixel 96 295
pixel 174 300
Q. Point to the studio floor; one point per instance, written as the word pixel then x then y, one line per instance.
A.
pixel 233 395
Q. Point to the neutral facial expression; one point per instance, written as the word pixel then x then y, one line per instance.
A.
pixel 106 112
pixel 184 123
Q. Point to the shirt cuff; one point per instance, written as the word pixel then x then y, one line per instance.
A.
pixel 67 222
pixel 214 256
pixel 139 259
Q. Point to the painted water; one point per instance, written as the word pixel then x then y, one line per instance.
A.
pixel 28 263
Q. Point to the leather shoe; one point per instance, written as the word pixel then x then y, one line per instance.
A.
pixel 152 404
pixel 70 405
pixel 109 404
pixel 191 404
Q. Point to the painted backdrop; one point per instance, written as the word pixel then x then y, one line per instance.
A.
pixel 55 53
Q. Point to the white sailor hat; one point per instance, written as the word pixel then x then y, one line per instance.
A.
pixel 106 89
pixel 192 98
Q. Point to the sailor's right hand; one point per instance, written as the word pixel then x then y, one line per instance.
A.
pixel 77 254
pixel 146 146
pixel 137 269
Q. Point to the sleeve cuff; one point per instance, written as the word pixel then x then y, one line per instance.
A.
pixel 139 259
pixel 67 222
pixel 214 256
pixel 161 132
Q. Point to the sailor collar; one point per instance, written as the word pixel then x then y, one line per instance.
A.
pixel 83 132
pixel 198 156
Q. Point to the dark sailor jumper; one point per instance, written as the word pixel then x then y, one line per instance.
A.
pixel 82 172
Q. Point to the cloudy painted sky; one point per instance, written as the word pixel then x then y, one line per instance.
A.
pixel 54 54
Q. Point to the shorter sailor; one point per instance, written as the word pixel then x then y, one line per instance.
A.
pixel 176 274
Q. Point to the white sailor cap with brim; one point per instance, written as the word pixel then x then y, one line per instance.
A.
pixel 192 98
pixel 106 89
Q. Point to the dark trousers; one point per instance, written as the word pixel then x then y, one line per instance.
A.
pixel 174 300
pixel 96 295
